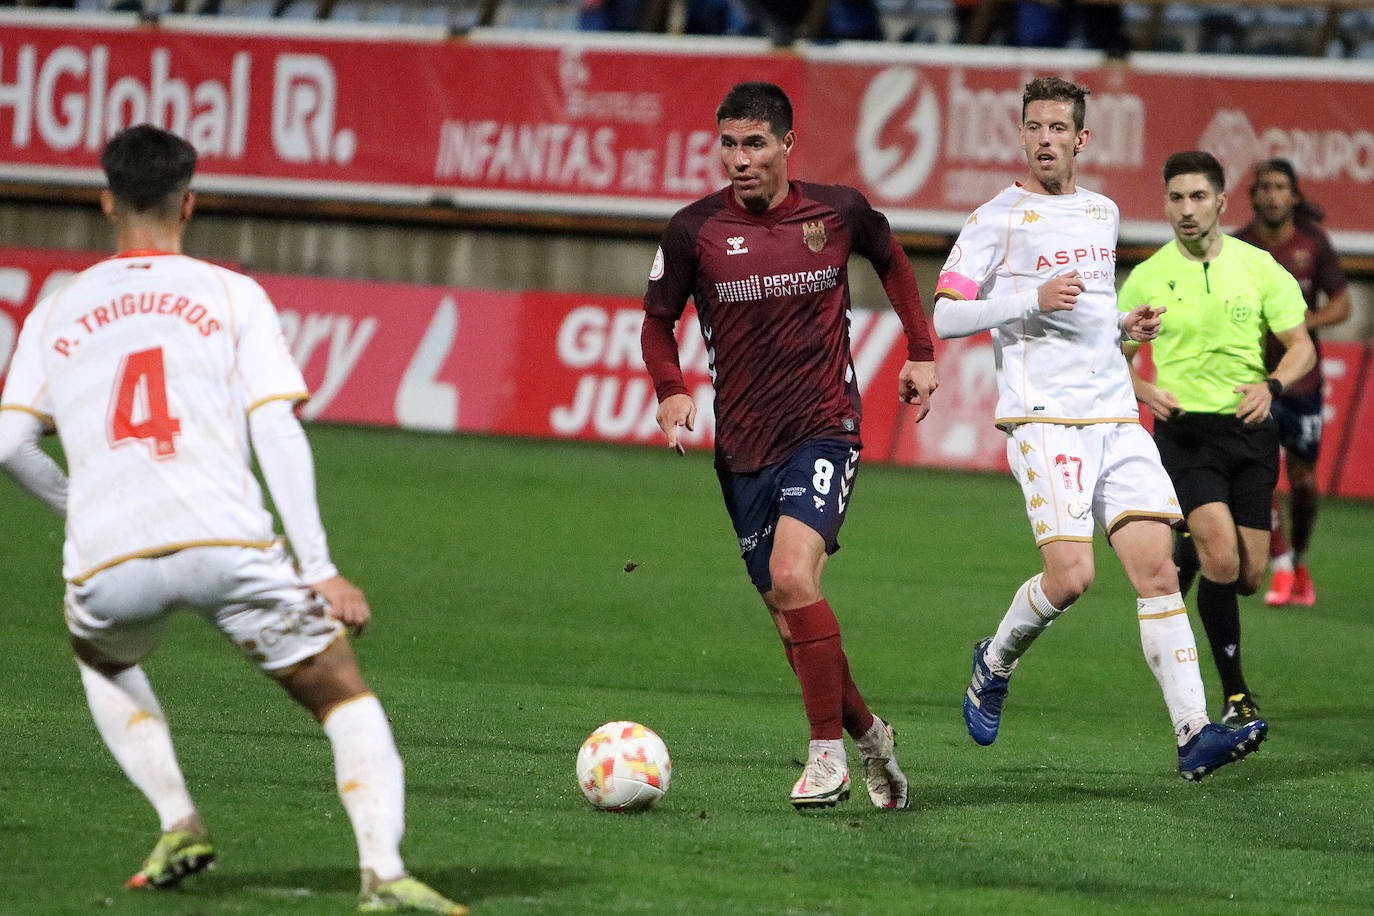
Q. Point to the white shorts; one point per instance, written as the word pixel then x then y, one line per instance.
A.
pixel 253 596
pixel 1075 476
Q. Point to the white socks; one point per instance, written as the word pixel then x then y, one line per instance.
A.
pixel 1171 652
pixel 1030 613
pixel 834 748
pixel 1283 562
pixel 129 719
pixel 371 781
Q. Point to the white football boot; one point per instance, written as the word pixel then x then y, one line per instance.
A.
pixel 887 785
pixel 824 782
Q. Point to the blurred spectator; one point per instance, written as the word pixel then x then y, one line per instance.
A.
pixel 845 20
pixel 980 22
pixel 854 20
pixel 1053 24
pixel 611 15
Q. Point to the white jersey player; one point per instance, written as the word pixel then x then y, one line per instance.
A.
pixel 1036 266
pixel 159 373
pixel 1060 366
pixel 149 364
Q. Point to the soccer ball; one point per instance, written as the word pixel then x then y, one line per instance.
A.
pixel 623 766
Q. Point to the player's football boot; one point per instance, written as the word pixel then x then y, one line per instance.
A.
pixel 824 782
pixel 1280 588
pixel 1217 745
pixel 405 895
pixel 984 698
pixel 1240 709
pixel 1304 594
pixel 887 785
pixel 178 853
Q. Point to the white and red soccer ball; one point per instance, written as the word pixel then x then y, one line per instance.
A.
pixel 623 766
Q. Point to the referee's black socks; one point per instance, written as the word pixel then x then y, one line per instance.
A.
pixel 1219 609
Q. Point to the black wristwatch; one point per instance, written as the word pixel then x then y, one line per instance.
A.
pixel 1275 387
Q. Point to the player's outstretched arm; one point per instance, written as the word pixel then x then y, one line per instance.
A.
pixel 30 466
pixel 916 383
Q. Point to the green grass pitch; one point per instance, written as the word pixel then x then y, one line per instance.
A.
pixel 507 628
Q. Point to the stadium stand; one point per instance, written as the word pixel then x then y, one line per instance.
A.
pixel 1322 28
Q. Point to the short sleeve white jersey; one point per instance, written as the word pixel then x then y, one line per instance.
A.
pixel 1053 367
pixel 148 364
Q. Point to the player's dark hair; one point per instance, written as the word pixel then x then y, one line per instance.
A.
pixel 1305 209
pixel 1195 161
pixel 757 101
pixel 1056 89
pixel 148 169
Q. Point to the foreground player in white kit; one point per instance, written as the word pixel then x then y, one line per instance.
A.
pixel 158 371
pixel 1036 265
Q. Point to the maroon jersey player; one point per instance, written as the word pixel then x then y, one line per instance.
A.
pixel 765 262
pixel 1285 225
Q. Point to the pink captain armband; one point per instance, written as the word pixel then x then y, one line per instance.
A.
pixel 957 284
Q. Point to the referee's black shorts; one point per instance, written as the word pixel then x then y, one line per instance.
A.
pixel 1215 457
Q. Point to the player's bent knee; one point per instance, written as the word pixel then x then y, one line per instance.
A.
pixel 793 585
pixel 324 681
pixel 96 660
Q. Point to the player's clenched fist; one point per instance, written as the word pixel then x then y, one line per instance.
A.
pixel 1060 293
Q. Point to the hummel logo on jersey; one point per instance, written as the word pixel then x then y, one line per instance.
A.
pixel 1030 216
pixel 736 244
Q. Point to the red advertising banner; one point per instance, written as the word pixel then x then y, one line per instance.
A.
pixel 575 123
pixel 931 139
pixel 409 119
pixel 568 366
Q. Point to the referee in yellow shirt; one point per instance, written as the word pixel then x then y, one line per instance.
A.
pixel 1211 395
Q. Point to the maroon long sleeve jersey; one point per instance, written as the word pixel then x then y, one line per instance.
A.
pixel 772 296
pixel 1309 256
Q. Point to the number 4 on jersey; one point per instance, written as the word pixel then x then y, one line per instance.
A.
pixel 139 407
